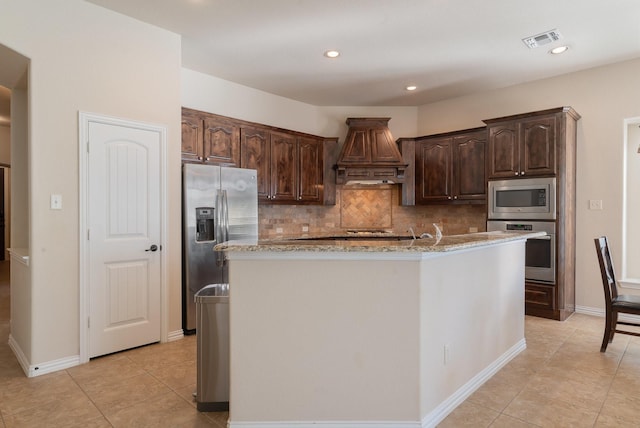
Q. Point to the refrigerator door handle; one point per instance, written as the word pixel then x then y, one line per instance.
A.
pixel 219 227
pixel 225 214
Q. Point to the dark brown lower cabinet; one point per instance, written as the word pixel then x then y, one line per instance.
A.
pixel 538 297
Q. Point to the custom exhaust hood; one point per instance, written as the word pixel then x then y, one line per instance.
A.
pixel 369 155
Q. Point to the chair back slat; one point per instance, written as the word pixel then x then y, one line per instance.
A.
pixel 606 269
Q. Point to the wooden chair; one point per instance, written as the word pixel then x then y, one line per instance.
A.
pixel 615 303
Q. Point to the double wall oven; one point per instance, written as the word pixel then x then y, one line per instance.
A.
pixel 527 205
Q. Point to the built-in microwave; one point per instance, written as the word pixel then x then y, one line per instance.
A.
pixel 522 199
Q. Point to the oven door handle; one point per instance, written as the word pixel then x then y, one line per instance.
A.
pixel 545 238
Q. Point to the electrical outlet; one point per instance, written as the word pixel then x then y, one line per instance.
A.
pixel 473 230
pixel 595 204
pixel 278 230
pixel 305 228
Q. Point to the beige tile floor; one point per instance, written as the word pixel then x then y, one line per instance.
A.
pixel 560 380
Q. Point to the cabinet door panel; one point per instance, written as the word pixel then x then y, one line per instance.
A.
pixel 283 167
pixel 191 137
pixel 538 138
pixel 469 167
pixel 255 154
pixel 503 151
pixel 433 170
pixel 221 142
pixel 310 170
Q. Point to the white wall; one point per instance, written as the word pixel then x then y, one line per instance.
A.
pixel 604 97
pixel 85 58
pixel 214 95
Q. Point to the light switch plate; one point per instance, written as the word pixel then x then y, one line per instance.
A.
pixel 56 202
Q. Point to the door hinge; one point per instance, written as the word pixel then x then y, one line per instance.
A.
pixel 88 322
pixel 88 234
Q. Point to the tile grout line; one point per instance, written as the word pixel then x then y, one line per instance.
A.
pixel 544 364
pixel 611 383
pixel 89 398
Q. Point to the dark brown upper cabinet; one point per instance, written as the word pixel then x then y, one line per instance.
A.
pixel 522 147
pixel 290 166
pixel 192 126
pixel 450 168
pixel 209 138
pixel 255 149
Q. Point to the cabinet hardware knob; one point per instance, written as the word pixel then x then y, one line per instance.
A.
pixel 455 197
pixel 522 173
pixel 517 173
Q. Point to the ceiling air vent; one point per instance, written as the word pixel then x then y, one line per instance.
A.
pixel 542 38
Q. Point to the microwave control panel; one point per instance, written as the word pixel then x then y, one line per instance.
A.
pixel 519 227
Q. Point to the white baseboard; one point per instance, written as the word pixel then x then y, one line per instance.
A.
pixel 431 420
pixel 17 351
pixel 597 312
pixel 325 424
pixel 32 370
pixel 175 335
pixel 438 414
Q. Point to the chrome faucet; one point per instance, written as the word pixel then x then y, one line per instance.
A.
pixel 438 232
pixel 412 233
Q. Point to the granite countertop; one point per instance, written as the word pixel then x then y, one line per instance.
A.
pixel 349 243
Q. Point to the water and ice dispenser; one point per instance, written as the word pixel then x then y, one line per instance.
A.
pixel 205 225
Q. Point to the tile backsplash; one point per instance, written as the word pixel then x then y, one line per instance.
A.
pixel 365 208
pixel 362 207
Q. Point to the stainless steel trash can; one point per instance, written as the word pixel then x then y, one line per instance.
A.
pixel 212 337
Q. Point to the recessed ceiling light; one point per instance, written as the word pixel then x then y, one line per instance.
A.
pixel 559 50
pixel 332 54
pixel 411 88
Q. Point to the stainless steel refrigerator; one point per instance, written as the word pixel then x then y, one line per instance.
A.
pixel 218 204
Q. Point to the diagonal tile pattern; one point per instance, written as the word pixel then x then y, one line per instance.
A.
pixel 560 380
pixel 145 387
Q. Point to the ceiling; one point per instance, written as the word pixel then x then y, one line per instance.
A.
pixel 447 48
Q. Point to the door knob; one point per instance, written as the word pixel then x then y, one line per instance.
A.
pixel 154 247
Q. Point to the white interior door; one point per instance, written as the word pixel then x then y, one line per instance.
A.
pixel 124 222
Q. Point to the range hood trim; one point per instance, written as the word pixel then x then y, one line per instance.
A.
pixel 369 153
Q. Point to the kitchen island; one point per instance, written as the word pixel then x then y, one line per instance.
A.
pixel 370 333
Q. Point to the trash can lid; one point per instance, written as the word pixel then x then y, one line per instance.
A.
pixel 213 290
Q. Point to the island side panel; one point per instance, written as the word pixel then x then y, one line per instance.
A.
pixel 472 303
pixel 324 340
